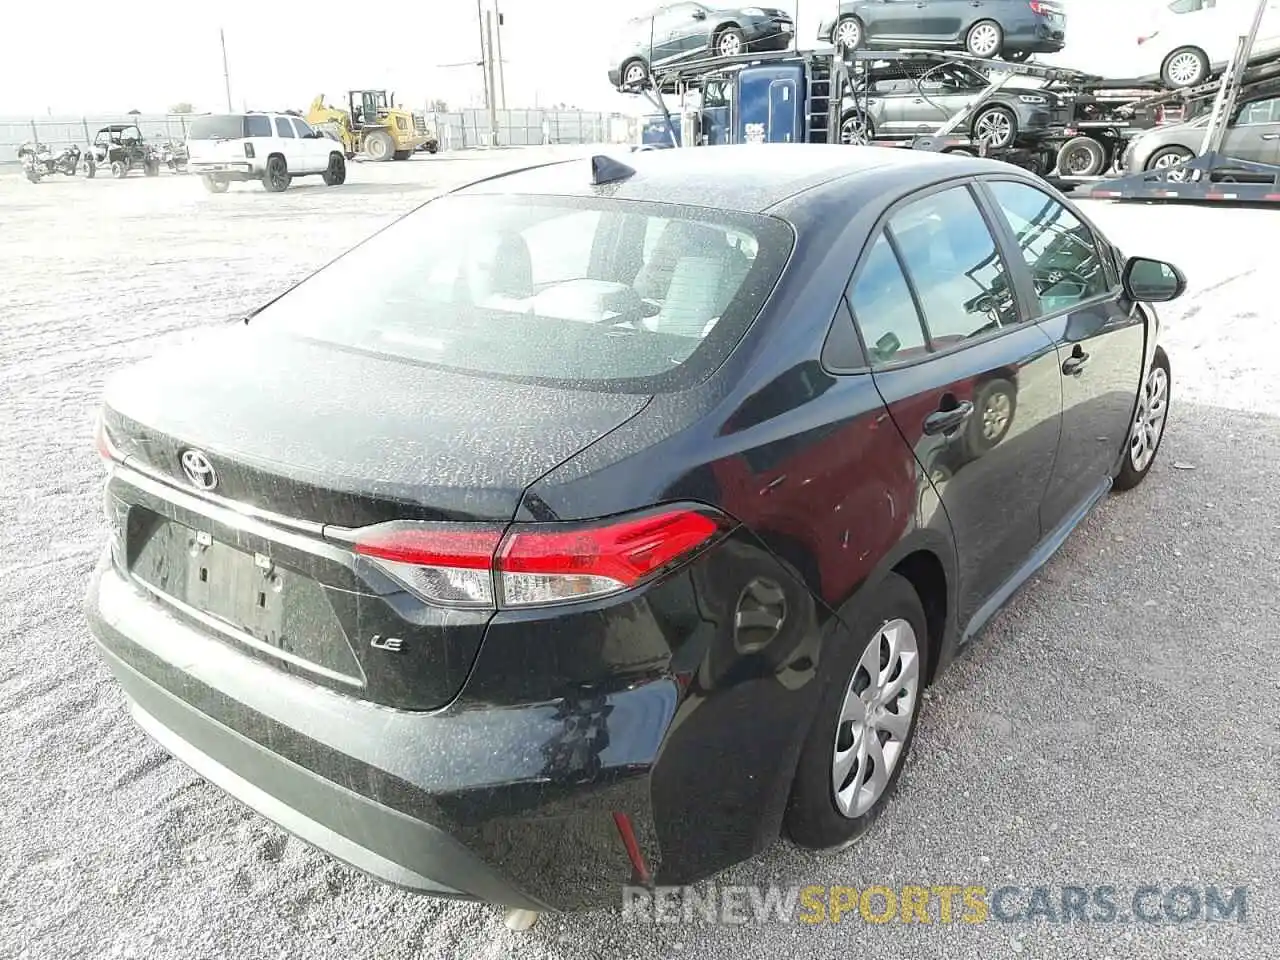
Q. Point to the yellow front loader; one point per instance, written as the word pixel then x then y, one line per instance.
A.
pixel 372 126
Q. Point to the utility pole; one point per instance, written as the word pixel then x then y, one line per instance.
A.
pixel 484 53
pixel 502 70
pixel 492 88
pixel 226 76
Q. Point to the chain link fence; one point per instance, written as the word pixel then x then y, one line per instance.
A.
pixel 457 130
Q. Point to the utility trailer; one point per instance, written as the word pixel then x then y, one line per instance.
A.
pixel 1213 175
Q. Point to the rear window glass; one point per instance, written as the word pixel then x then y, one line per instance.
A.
pixel 257 126
pixel 591 293
pixel 216 128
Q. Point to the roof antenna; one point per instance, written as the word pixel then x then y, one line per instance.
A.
pixel 608 170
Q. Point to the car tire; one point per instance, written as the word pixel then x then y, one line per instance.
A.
pixel 276 179
pixel 379 146
pixel 985 39
pixel 729 42
pixel 1151 414
pixel 997 120
pixel 214 185
pixel 119 170
pixel 856 128
pixel 90 167
pixel 433 146
pixel 994 407
pixel 1169 156
pixel 633 73
pixel 849 33
pixel 335 175
pixel 888 615
pixel 1184 67
pixel 1082 157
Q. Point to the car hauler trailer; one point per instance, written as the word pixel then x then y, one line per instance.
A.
pixel 1212 175
pixel 786 97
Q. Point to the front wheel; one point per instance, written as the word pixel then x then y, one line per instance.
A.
pixel 997 127
pixel 1167 157
pixel 731 42
pixel 862 731
pixel 90 167
pixel 119 170
pixel 1185 67
pixel 379 146
pixel 856 129
pixel 336 173
pixel 1147 429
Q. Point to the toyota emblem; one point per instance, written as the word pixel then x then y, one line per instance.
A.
pixel 199 470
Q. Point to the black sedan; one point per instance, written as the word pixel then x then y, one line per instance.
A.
pixel 593 544
pixel 899 100
pixel 1012 29
pixel 680 32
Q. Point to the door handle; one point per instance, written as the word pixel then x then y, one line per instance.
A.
pixel 1074 364
pixel 948 421
pixel 1271 136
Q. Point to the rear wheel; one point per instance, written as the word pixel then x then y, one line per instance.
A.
pixel 90 167
pixel 993 410
pixel 1148 424
pixel 1167 157
pixel 433 146
pixel 1082 157
pixel 277 177
pixel 984 39
pixel 633 73
pixel 336 173
pixel 862 731
pixel 215 185
pixel 1185 67
pixel 379 146
pixel 402 154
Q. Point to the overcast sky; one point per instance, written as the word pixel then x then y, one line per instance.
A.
pixel 71 57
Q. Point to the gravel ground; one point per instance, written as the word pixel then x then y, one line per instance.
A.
pixel 1117 724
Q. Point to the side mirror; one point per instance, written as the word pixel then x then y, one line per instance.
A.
pixel 1152 281
pixel 699 14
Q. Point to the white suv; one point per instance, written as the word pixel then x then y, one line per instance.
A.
pixel 271 147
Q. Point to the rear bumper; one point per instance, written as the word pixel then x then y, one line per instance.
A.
pixel 415 799
pixel 226 170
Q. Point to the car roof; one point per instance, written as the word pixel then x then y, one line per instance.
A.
pixel 750 178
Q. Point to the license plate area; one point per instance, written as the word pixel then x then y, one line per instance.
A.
pixel 271 608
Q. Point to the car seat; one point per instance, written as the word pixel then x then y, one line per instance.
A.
pixel 500 276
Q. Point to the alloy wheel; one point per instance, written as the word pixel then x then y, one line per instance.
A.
pixel 995 129
pixel 849 34
pixel 996 415
pixel 875 718
pixel 1172 160
pixel 854 131
pixel 634 74
pixel 984 41
pixel 1185 69
pixel 730 45
pixel 1148 422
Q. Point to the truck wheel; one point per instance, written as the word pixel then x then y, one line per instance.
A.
pixel 402 154
pixel 277 178
pixel 336 173
pixel 1082 157
pixel 214 185
pixel 379 146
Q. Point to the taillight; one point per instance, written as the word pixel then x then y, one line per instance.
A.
pixel 102 441
pixel 1037 7
pixel 536 564
pixel 248 150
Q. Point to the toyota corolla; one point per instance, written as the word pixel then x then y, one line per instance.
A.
pixel 621 525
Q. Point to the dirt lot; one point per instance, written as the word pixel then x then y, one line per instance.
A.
pixel 1117 724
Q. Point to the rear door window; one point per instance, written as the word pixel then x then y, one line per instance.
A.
pixel 884 309
pixel 258 126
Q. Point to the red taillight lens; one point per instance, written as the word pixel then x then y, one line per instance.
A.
pixel 535 564
pixel 1037 7
pixel 452 565
pixel 551 566
pixel 102 441
pixel 248 150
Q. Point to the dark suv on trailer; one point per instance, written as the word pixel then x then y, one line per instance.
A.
pixel 1013 29
pixel 687 31
pixel 908 100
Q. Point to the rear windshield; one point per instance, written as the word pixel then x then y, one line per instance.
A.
pixel 216 128
pixel 597 294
